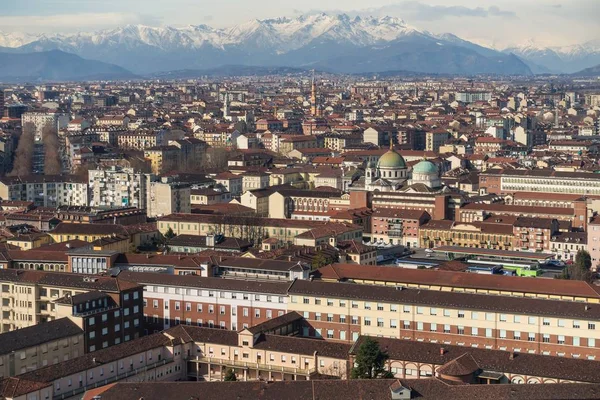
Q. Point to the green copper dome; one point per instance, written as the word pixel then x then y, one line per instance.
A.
pixel 391 159
pixel 425 167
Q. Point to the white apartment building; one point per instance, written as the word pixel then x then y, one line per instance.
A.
pixel 40 119
pixel 118 187
pixel 45 190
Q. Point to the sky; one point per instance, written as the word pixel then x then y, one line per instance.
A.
pixel 496 24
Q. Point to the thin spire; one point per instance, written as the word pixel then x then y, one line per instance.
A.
pixel 391 141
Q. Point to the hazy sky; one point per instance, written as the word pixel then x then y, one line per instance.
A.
pixel 498 23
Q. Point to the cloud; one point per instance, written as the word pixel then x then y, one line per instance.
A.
pixel 73 22
pixel 417 11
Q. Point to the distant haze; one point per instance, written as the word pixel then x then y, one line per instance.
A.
pixel 498 24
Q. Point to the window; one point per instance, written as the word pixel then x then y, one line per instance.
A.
pixel 329 303
pixel 561 323
pixel 446 313
pixel 433 328
pixel 446 328
pixel 306 300
pixel 419 310
pixel 461 314
pixel 188 306
pixel 591 325
pixel 419 326
pixel 488 332
pixel 367 306
pixel 317 316
pixel 517 335
pixel 406 309
pixel 489 316
pixel 531 320
pixel 380 322
pixel 155 303
pixel 576 341
pixel 354 320
pixel 474 331
pixel 379 307
pixel 329 317
pixel 177 305
pixel 502 317
pixel 576 324
pixel 531 337
pixel 546 338
pixel 546 322
pixel 91 321
pixel 342 319
pixel 367 321
pixel 393 323
pixel 561 339
pixel 433 311
pixel 591 342
pixel 329 336
pixel 461 330
pixel 474 315
pixel 104 331
pixel 502 333
pixel 406 324
pixel 517 319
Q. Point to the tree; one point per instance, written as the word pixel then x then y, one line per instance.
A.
pixel 230 376
pixel 170 234
pixel 370 361
pixel 580 270
pixel 319 260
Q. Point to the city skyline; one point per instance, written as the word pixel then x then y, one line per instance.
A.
pixel 532 21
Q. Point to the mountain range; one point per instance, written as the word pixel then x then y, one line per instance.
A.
pixel 334 43
pixel 565 59
pixel 56 65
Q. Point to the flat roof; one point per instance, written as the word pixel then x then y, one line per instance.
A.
pixel 493 253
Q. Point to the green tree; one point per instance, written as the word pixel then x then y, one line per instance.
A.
pixel 170 234
pixel 319 260
pixel 370 361
pixel 580 270
pixel 230 376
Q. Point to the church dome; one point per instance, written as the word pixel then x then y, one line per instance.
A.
pixel 425 167
pixel 391 159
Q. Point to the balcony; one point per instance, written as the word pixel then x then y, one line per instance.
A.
pixel 252 366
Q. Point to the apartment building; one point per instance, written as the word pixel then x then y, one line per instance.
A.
pixel 398 226
pixel 435 139
pixel 141 139
pixel 208 196
pixel 549 182
pixel 233 304
pixel 448 281
pixel 40 345
pixel 153 358
pixel 166 198
pixel 106 319
pixel 39 119
pixel 489 235
pixel 534 234
pixel 118 187
pixel 29 297
pixel 480 212
pixel 241 226
pixel 549 327
pixel 45 190
pixel 421 360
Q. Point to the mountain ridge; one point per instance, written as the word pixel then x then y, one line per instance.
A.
pixel 317 40
pixel 56 65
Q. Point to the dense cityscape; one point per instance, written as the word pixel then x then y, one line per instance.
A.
pixel 311 232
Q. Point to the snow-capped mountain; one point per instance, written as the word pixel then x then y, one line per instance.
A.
pixel 16 39
pixel 334 42
pixel 559 59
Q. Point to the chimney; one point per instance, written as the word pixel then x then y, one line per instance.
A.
pixel 442 351
pixel 587 308
pixel 511 356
